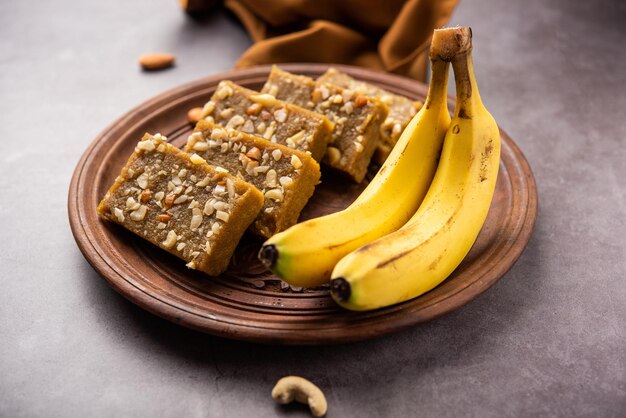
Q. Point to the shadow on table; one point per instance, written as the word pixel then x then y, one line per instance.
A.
pixel 464 338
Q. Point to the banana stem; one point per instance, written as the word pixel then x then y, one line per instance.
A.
pixel 468 98
pixel 438 84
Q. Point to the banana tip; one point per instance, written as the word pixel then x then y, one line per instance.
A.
pixel 340 289
pixel 268 255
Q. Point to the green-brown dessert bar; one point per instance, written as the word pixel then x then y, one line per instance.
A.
pixel 357 118
pixel 265 116
pixel 181 204
pixel 286 177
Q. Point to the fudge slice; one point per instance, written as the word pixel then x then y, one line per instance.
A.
pixel 401 109
pixel 357 118
pixel 263 115
pixel 287 177
pixel 181 204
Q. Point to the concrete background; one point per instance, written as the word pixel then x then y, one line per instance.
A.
pixel 548 340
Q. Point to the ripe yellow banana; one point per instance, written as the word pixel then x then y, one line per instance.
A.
pixel 421 254
pixel 305 254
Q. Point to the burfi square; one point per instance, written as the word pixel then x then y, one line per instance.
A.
pixel 357 118
pixel 181 204
pixel 401 109
pixel 265 116
pixel 286 177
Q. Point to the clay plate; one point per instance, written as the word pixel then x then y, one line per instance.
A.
pixel 247 302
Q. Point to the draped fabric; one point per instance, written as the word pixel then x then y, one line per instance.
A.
pixel 388 35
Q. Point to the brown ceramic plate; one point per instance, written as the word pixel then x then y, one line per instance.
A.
pixel 247 302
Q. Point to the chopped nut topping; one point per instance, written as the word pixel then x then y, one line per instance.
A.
pixel 274 194
pixel 219 205
pixel 139 214
pixel 161 225
pixel 196 218
pixel 360 101
pixel 248 127
pixel 270 178
pixel 277 154
pixel 147 145
pixel 286 181
pixel 204 182
pixel 254 153
pixel 170 240
pixel 180 246
pixel 169 200
pixel 280 115
pixel 265 115
pixel 227 113
pixel 235 122
pixel 261 169
pixel 223 91
pixel 119 214
pixel 358 146
pixel 220 169
pixel 221 215
pixel 181 199
pixel 196 159
pixel 191 264
pixel 208 108
pixel 270 130
pixel 264 99
pixel 297 137
pixel 208 207
pixel 260 128
pixel 254 109
pixel 230 187
pixel 200 146
pixel 164 217
pixel 132 204
pixel 145 196
pixel 295 161
pixel 142 180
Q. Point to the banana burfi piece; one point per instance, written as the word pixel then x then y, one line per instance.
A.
pixel 285 176
pixel 262 115
pixel 180 203
pixel 357 118
pixel 401 109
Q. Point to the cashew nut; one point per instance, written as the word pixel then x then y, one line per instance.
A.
pixel 294 387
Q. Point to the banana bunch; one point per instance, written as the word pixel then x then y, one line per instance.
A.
pixel 421 254
pixel 377 255
pixel 305 254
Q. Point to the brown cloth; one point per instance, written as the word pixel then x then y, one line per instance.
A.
pixel 389 35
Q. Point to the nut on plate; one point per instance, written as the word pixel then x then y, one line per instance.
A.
pixel 156 61
pixel 297 388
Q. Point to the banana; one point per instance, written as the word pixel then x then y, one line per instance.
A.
pixel 305 254
pixel 421 254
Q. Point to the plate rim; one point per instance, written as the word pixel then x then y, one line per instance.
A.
pixel 157 306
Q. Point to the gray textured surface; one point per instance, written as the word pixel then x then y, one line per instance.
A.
pixel 548 340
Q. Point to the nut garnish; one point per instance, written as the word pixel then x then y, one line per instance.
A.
pixel 164 217
pixel 274 194
pixel 196 218
pixel 221 215
pixel 277 154
pixel 295 161
pixel 145 196
pixel 142 180
pixel 139 214
pixel 196 159
pixel 170 240
pixel 280 115
pixel 119 214
pixel 264 99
